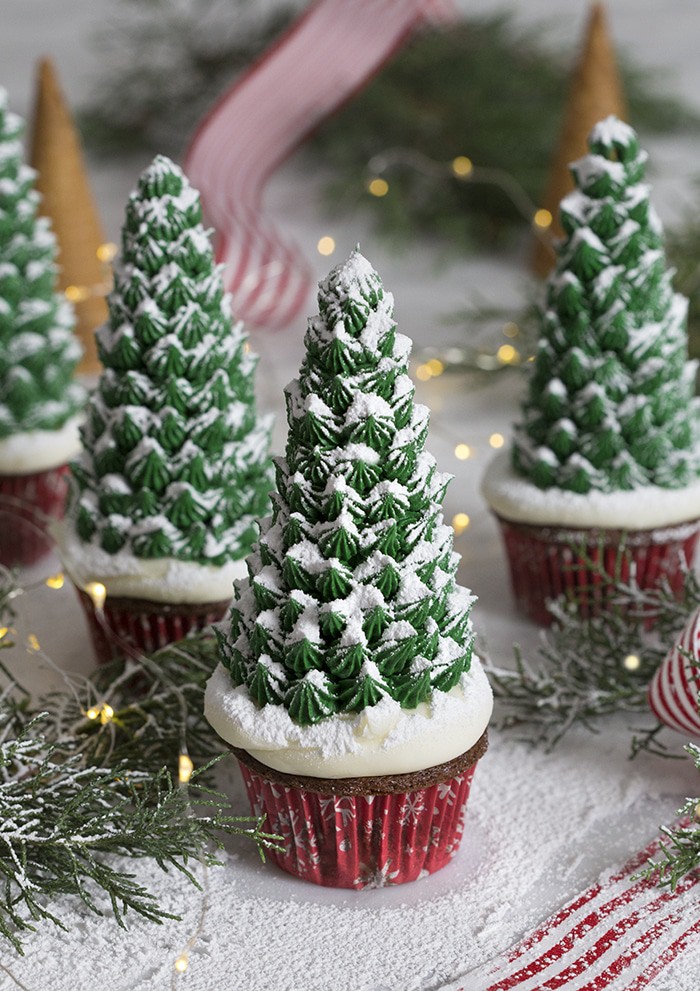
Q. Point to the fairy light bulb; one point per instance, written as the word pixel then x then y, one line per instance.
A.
pixel 460 522
pixel 423 373
pixel 185 767
pixel 507 354
pixel 378 187
pixel 462 166
pixel 56 581
pixel 97 592
pixel 104 712
pixel 496 441
pixel 632 662
pixel 435 367
pixel 326 245
pixel 463 452
pixel 33 643
pixel 182 963
pixel 106 252
pixel 542 219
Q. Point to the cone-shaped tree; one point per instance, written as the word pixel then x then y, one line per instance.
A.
pixel 610 404
pixel 175 460
pixel 66 198
pixel 351 593
pixel 38 352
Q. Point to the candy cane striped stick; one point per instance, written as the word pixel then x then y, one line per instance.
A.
pixel 675 688
pixel 325 57
pixel 618 935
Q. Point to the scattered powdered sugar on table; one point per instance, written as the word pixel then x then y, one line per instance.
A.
pixel 539 828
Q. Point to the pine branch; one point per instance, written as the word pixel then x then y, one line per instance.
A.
pixel 59 821
pixel 592 668
pixel 75 792
pixel 681 854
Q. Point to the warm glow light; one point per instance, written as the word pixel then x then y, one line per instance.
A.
pixel 185 767
pixel 632 662
pixel 531 357
pixel 436 366
pixel 182 963
pixel 33 643
pixel 511 329
pixel 76 294
pixel 326 245
pixel 106 252
pixel 423 373
pixel 56 581
pixel 507 354
pixel 97 592
pixel 497 440
pixel 543 219
pixel 462 166
pixel 103 712
pixel 463 451
pixel 378 187
pixel 460 522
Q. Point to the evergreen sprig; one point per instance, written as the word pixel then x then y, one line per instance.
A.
pixel 681 854
pixel 581 675
pixel 76 792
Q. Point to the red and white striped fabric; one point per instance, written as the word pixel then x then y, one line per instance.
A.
pixel 674 693
pixel 326 56
pixel 618 935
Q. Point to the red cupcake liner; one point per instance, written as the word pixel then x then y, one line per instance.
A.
pixel 31 501
pixel 362 841
pixel 544 563
pixel 140 626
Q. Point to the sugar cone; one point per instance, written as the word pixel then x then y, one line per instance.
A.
pixel 595 92
pixel 674 693
pixel 56 154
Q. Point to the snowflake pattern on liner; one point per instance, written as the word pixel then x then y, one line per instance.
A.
pixel 175 459
pixel 351 594
pixel 354 834
pixel 610 404
pixel 38 350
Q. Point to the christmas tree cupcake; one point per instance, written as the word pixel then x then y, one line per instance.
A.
pixel 39 402
pixel 607 453
pixel 174 468
pixel 348 688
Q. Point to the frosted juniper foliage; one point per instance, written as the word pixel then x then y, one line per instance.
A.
pixel 175 459
pixel 351 594
pixel 610 403
pixel 38 351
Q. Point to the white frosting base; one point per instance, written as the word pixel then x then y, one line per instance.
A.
pixel 382 739
pixel 159 579
pixel 515 498
pixel 38 450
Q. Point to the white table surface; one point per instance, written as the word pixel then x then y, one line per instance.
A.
pixel 540 827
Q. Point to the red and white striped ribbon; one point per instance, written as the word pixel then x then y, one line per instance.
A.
pixel 618 935
pixel 326 56
pixel 674 693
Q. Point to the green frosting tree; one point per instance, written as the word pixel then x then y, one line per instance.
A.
pixel 175 460
pixel 610 403
pixel 38 351
pixel 351 594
